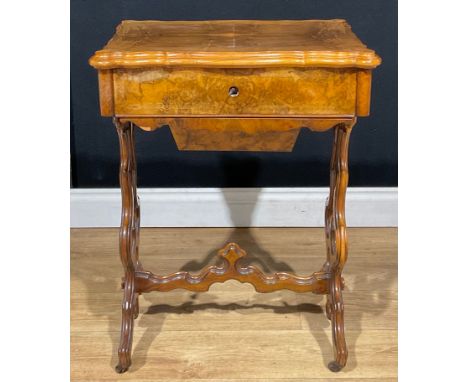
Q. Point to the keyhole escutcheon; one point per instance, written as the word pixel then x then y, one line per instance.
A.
pixel 233 91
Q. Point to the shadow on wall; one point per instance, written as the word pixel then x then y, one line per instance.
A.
pixel 241 216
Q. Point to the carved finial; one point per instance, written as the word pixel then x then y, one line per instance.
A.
pixel 232 253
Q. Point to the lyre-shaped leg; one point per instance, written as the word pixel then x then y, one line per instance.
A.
pixel 128 240
pixel 337 251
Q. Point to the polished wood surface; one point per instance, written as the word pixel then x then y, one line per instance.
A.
pixel 233 134
pixel 235 86
pixel 234 44
pixel 181 87
pixel 128 241
pixel 231 333
pixel 232 269
pixel 363 92
pixel 260 92
pixel 236 134
pixel 337 242
pixel 106 92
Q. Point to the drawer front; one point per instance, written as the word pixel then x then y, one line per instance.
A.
pixel 230 92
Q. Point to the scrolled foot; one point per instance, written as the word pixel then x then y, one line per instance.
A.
pixel 124 361
pixel 121 369
pixel 335 366
pixel 336 309
pixel 126 329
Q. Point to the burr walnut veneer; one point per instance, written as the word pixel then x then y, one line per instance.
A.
pixel 235 85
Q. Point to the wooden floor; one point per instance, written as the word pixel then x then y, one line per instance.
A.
pixel 232 333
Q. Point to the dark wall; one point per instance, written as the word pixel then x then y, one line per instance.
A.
pixel 94 145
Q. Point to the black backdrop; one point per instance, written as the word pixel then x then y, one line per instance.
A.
pixel 94 144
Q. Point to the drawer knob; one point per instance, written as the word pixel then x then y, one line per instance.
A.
pixel 233 91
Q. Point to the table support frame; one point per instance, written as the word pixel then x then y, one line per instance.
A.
pixel 328 281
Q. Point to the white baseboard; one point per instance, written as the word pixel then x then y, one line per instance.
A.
pixel 234 207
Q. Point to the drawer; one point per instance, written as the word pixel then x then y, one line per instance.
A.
pixel 234 92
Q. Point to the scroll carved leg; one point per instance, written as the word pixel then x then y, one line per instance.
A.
pixel 135 224
pixel 337 251
pixel 128 241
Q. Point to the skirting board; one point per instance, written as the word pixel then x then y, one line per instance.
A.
pixel 234 207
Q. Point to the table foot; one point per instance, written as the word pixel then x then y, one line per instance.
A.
pixel 121 369
pixel 129 310
pixel 336 310
pixel 335 366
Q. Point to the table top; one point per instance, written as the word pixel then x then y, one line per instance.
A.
pixel 235 44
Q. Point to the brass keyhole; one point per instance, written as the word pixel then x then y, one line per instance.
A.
pixel 233 91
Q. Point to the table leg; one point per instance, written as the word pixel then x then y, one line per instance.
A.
pixel 128 240
pixel 337 251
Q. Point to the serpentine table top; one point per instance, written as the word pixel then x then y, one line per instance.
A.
pixel 235 43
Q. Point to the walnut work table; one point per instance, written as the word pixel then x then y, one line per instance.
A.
pixel 235 85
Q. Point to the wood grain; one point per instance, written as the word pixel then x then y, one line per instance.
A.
pixel 232 269
pixel 232 134
pixel 236 134
pixel 106 92
pixel 279 336
pixel 235 43
pixel 363 95
pixel 272 91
